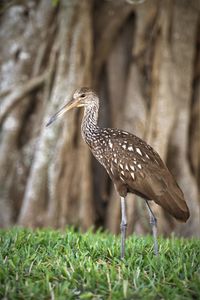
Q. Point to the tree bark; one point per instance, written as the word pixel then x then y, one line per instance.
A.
pixel 143 60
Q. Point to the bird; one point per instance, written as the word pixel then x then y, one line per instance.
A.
pixel 132 164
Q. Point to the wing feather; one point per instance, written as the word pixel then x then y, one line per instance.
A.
pixel 143 172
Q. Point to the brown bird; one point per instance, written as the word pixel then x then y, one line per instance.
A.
pixel 133 165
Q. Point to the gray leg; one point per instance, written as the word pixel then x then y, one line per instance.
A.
pixel 123 226
pixel 153 222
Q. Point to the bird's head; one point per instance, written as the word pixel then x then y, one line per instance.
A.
pixel 81 97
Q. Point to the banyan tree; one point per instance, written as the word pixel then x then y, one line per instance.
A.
pixel 143 59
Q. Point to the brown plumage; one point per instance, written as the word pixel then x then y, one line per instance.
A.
pixel 136 168
pixel 131 163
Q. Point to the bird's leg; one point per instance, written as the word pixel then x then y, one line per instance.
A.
pixel 153 222
pixel 123 226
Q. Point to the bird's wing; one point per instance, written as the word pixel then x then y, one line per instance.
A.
pixel 141 169
pixel 166 193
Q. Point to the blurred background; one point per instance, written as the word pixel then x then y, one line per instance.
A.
pixel 143 59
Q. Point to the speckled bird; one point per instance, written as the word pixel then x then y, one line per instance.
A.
pixel 133 165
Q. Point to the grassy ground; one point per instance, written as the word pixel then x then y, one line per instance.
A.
pixel 48 264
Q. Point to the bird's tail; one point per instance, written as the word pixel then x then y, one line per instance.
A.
pixel 172 200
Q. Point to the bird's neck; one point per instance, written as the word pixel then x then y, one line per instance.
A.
pixel 89 127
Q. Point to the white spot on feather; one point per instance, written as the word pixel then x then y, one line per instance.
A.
pixel 139 151
pixel 139 166
pixel 121 166
pixel 130 148
pixel 133 175
pixel 132 168
pixel 122 178
pixel 110 144
pixel 124 146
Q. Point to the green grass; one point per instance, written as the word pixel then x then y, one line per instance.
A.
pixel 47 264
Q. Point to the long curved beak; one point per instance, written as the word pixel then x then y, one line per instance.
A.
pixel 62 111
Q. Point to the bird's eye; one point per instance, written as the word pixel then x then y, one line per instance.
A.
pixel 82 96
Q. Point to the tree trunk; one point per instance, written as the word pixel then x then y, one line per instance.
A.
pixel 143 60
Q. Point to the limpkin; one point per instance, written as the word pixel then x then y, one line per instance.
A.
pixel 133 165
